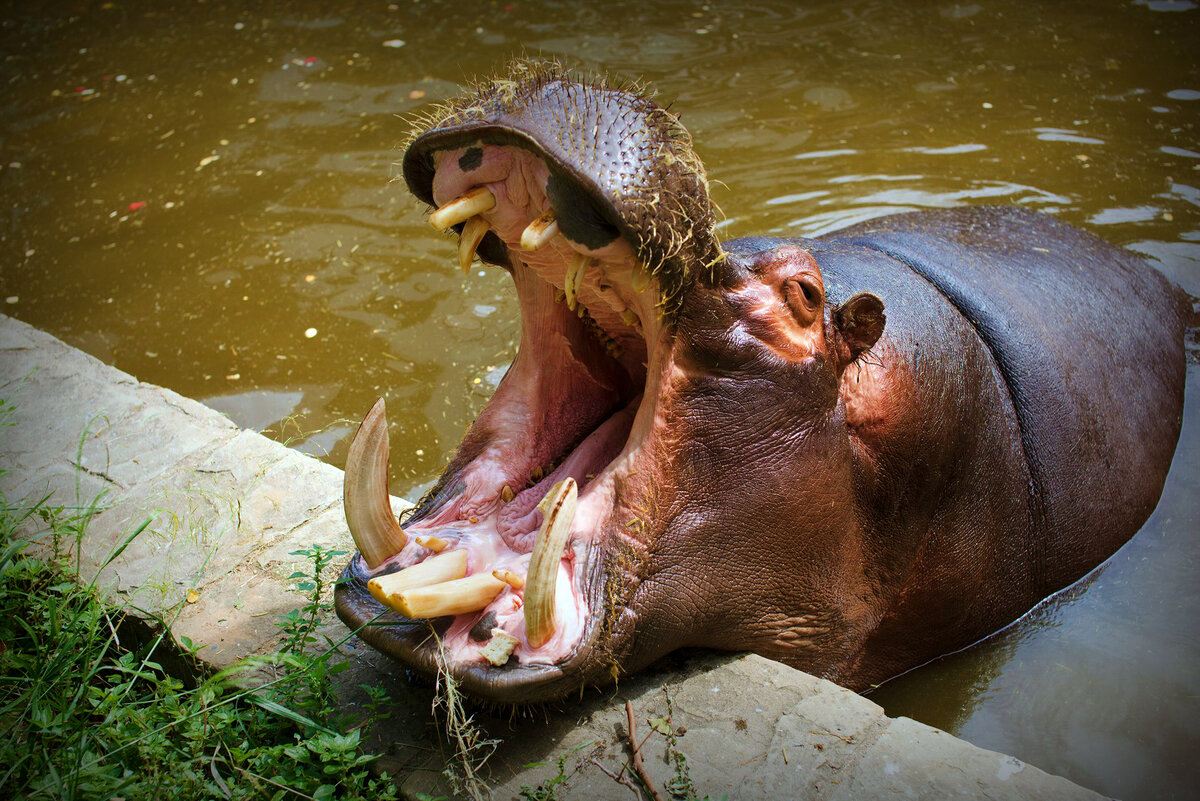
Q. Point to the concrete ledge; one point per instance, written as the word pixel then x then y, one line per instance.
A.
pixel 226 509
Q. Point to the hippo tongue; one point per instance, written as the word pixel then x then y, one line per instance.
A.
pixel 519 520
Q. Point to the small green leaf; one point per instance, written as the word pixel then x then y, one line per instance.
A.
pixel 660 725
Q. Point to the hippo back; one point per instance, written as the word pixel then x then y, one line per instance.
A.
pixel 1086 337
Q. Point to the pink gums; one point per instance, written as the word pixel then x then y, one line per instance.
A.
pixel 504 538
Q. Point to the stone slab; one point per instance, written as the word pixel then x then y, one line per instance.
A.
pixel 227 509
pixel 752 729
pixel 83 428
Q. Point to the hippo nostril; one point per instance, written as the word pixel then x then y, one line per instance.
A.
pixel 471 159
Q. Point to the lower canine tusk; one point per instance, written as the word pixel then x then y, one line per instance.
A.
pixel 375 530
pixel 473 232
pixel 463 208
pixel 559 509
pixel 540 231
pixel 469 594
pixel 434 570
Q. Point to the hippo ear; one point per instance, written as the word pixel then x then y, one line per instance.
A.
pixel 858 323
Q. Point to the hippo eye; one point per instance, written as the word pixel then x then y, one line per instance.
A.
pixel 803 297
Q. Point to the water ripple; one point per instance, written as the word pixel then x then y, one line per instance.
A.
pixel 1066 135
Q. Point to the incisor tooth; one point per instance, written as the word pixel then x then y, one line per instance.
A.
pixel 468 594
pixel 369 516
pixel 506 494
pixel 629 316
pixel 434 570
pixel 510 578
pixel 435 544
pixel 559 509
pixel 463 208
pixel 473 232
pixel 540 231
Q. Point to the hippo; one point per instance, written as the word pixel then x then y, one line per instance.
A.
pixel 851 454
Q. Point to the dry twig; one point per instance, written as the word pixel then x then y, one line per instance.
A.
pixel 638 767
pixel 621 780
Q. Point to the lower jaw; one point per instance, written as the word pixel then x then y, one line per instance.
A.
pixel 427 646
pixel 501 539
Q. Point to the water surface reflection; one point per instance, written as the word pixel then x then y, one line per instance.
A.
pixel 199 194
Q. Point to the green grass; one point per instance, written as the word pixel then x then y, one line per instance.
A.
pixel 84 716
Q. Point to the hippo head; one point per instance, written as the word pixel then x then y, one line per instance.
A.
pixel 630 487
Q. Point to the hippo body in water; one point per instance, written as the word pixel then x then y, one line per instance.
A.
pixel 851 454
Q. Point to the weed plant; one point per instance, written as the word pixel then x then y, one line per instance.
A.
pixel 85 716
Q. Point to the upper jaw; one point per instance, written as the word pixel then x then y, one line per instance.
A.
pixel 597 295
pixel 618 167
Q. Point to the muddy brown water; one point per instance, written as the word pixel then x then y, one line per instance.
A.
pixel 199 194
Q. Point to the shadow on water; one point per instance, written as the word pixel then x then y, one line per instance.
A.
pixel 200 194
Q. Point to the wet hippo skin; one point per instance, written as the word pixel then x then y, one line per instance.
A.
pixel 850 454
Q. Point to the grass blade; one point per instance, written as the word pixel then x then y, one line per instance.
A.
pixel 125 543
pixel 289 714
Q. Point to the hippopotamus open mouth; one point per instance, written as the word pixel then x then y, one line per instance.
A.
pixel 690 447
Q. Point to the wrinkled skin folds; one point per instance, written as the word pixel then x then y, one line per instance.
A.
pixel 850 454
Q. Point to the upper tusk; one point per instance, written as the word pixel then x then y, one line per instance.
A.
pixel 375 530
pixel 559 508
pixel 463 208
pixel 540 231
pixel 473 232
